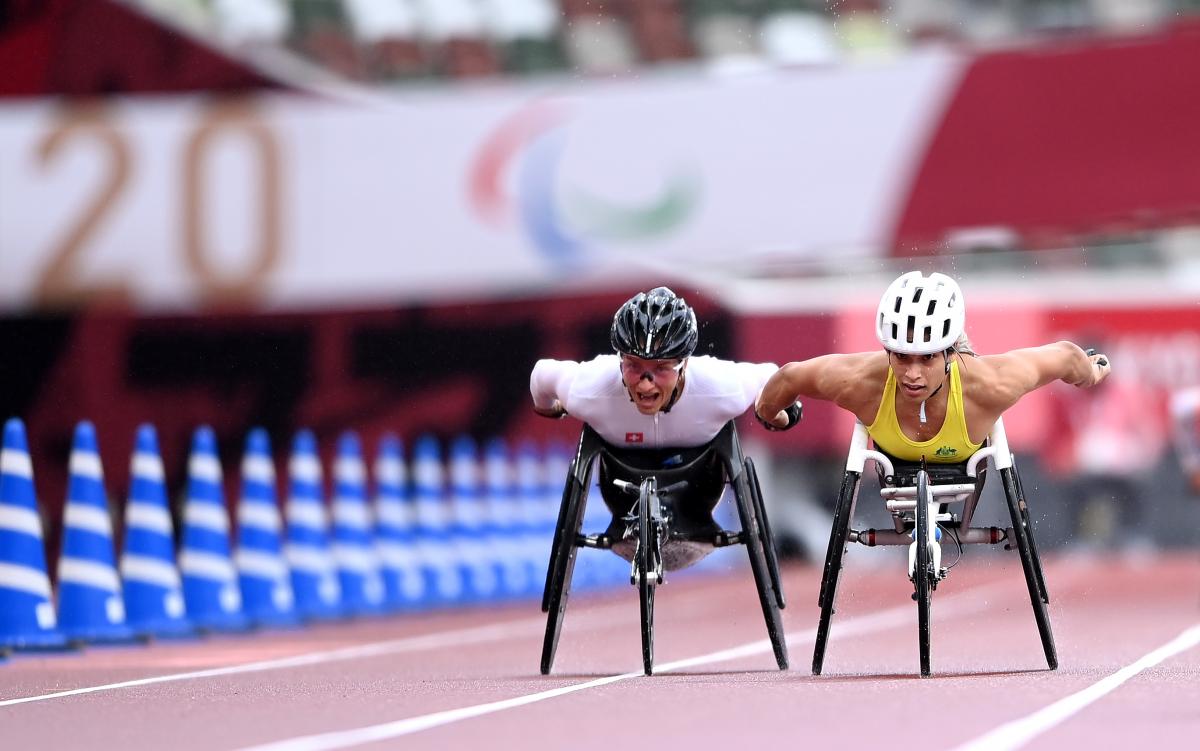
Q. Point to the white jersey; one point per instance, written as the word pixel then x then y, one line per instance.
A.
pixel 714 392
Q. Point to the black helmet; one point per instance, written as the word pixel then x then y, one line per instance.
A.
pixel 655 325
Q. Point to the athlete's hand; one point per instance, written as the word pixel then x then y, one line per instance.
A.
pixel 1101 366
pixel 783 419
pixel 554 411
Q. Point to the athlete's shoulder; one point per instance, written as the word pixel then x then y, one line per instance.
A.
pixel 600 376
pixel 848 378
pixel 998 380
pixel 865 363
pixel 718 376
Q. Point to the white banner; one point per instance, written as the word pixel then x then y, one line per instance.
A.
pixel 283 201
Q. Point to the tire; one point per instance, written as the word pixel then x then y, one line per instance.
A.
pixel 1033 551
pixel 923 572
pixel 1030 566
pixel 767 599
pixel 838 538
pixel 647 557
pixel 553 564
pixel 558 578
pixel 764 527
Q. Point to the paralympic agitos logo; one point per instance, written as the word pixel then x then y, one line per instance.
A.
pixel 516 176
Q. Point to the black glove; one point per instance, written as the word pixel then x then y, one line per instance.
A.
pixel 793 412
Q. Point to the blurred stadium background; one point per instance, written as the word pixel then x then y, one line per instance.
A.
pixel 377 214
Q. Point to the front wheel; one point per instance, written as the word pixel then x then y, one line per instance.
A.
pixel 648 570
pixel 923 573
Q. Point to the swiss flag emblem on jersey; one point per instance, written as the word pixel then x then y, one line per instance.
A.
pixel 634 438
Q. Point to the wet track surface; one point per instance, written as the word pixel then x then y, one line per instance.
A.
pixel 449 679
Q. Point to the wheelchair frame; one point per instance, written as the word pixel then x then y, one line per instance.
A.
pixel 919 511
pixel 755 534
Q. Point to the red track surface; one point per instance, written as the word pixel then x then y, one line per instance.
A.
pixel 987 661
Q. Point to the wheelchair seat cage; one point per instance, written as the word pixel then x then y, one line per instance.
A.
pixel 653 527
pixel 925 500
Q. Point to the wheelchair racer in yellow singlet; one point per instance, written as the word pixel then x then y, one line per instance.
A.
pixel 926 395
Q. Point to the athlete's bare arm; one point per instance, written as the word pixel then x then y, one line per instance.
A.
pixel 846 380
pixel 1005 378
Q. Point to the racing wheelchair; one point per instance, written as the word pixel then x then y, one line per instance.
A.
pixel 920 497
pixel 649 524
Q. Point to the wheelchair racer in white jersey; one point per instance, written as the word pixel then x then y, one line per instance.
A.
pixel 658 407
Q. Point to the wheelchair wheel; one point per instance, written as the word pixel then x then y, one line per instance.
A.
pixel 764 526
pixel 923 573
pixel 562 564
pixel 1028 523
pixel 552 565
pixel 648 556
pixel 755 548
pixel 1030 565
pixel 838 537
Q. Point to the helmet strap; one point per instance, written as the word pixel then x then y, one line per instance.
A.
pixel 674 396
pixel 678 392
pixel 921 413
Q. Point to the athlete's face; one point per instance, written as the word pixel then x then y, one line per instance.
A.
pixel 650 382
pixel 917 376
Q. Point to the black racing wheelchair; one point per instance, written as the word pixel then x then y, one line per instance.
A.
pixel 919 497
pixel 649 524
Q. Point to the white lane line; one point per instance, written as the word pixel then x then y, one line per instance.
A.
pixel 1017 733
pixel 475 635
pixel 387 730
pixel 887 619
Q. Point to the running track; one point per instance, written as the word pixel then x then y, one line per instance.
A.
pixel 1128 638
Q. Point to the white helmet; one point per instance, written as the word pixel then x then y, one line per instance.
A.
pixel 920 315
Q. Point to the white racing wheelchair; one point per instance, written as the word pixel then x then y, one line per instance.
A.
pixel 930 503
pixel 650 527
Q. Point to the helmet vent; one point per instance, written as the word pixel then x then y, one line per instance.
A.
pixel 919 314
pixel 655 325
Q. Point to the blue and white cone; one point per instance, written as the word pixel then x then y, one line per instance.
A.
pixel 27 619
pixel 210 582
pixel 314 577
pixel 267 598
pixel 444 576
pixel 353 531
pixel 154 604
pixel 507 529
pixel 90 604
pixel 535 538
pixel 395 522
pixel 472 529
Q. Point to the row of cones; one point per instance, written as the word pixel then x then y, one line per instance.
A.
pixel 411 547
